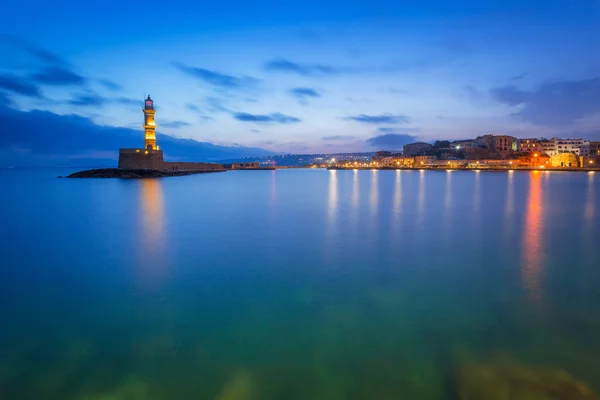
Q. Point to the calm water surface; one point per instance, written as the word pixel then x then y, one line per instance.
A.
pixel 298 284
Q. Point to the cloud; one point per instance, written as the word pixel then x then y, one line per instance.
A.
pixel 397 130
pixel 380 119
pixel 110 85
pixel 41 54
pixel 473 92
pixel 519 77
pixel 390 141
pixel 192 107
pixel 552 103
pixel 87 100
pixel 284 65
pixel 278 118
pixel 127 101
pixel 14 84
pixel 25 141
pixel 338 137
pixel 197 110
pixel 174 124
pixel 218 79
pixel 58 76
pixel 303 93
pixel 92 99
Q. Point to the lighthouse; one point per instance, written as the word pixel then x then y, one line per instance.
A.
pixel 150 156
pixel 149 125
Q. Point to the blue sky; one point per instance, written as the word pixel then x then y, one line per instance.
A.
pixel 310 76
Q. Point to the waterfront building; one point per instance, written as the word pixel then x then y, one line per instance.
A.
pixel 425 160
pixel 533 160
pixel 485 141
pixel 381 154
pixel 595 152
pixel 403 161
pixel 414 149
pixel 587 161
pixel 549 147
pixel 504 144
pixel 530 145
pixel 595 149
pixel 462 144
pixel 564 160
pixel 555 146
pixel 480 153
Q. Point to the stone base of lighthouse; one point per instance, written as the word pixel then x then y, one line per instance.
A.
pixel 136 159
pixel 141 159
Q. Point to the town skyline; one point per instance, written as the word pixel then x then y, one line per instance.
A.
pixel 312 79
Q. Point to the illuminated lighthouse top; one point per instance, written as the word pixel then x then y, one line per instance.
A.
pixel 149 105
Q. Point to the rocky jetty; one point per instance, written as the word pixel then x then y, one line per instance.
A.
pixel 132 173
pixel 510 380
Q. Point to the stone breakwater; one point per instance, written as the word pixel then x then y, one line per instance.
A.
pixel 133 173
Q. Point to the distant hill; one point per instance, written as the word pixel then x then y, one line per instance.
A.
pixel 42 138
pixel 293 160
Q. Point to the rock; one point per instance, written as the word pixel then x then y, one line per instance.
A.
pixel 507 380
pixel 133 174
pixel 241 387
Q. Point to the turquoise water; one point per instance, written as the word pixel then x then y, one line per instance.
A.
pixel 293 284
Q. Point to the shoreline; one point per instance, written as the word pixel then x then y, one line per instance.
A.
pixel 449 168
pixel 107 173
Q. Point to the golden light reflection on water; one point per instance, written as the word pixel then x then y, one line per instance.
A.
pixel 589 238
pixel 421 198
pixel 532 238
pixel 355 190
pixel 509 204
pixel 152 232
pixel 374 192
pixel 355 201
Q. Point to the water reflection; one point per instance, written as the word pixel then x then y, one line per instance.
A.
pixel 152 208
pixel 588 236
pixel 374 193
pixel 447 203
pixel 532 238
pixel 355 190
pixel 333 195
pixel 589 200
pixel 273 187
pixel 509 205
pixel 397 194
pixel 421 199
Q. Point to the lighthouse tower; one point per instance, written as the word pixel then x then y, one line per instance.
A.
pixel 149 125
pixel 149 157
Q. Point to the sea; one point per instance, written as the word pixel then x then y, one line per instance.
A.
pixel 302 284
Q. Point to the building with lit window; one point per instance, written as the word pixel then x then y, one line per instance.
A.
pixel 505 144
pixel 555 146
pixel 530 146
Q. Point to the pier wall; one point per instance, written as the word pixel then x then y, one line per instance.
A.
pixel 191 166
